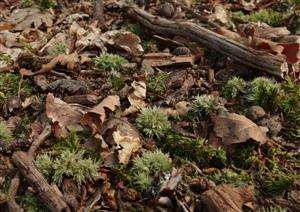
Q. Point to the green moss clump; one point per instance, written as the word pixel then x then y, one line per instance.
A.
pixel 153 122
pixel 46 4
pixel 5 133
pixel 44 163
pixel 148 170
pixel 157 85
pixel 71 143
pixel 277 183
pixel 196 150
pixel 117 82
pixel 290 102
pixel 150 46
pixel 73 164
pixel 26 3
pixel 109 62
pixel 9 85
pixel 203 105
pixel 234 87
pixel 247 157
pixel 229 176
pixel 57 49
pixel 68 164
pixel 31 203
pixel 264 92
pixel 135 28
pixel 5 58
pixel 271 17
pixel 22 129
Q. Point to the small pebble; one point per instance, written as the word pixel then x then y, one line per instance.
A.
pixel 165 202
pixel 182 50
pixel 255 112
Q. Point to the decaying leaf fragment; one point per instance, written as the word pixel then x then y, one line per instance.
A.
pixel 232 128
pixel 136 98
pixel 95 117
pixel 126 136
pixel 181 109
pixel 65 117
pixel 127 144
pixel 225 198
pixel 70 60
pixel 123 40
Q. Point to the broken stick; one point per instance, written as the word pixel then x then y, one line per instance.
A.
pixel 238 52
pixel 47 193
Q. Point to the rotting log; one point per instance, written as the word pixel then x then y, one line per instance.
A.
pixel 47 193
pixel 238 52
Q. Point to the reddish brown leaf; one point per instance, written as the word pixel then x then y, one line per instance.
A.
pixel 95 117
pixel 64 117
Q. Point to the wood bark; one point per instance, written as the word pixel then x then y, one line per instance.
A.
pixel 238 52
pixel 99 12
pixel 47 193
pixel 15 183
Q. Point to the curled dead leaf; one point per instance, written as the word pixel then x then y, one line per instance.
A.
pixel 126 136
pixel 71 61
pixel 65 117
pixel 136 98
pixel 95 117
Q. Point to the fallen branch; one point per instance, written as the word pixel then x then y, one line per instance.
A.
pixel 47 193
pixel 238 52
pixel 15 183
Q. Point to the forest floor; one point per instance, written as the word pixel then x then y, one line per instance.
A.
pixel 149 105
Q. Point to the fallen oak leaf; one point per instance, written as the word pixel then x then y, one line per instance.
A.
pixel 96 117
pixel 232 128
pixel 65 117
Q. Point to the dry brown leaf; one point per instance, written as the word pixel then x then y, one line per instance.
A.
pixel 125 135
pixel 12 52
pixel 128 145
pixel 232 128
pixel 70 60
pixel 125 41
pixel 64 117
pixel 181 109
pixel 9 39
pixel 219 14
pixel 225 198
pixel 35 20
pixel 87 39
pixel 136 98
pixel 95 117
pixel 58 38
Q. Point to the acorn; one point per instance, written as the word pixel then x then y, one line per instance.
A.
pixel 166 10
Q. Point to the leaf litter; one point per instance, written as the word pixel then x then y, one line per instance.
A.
pixel 107 78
